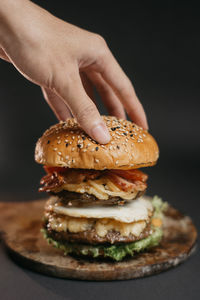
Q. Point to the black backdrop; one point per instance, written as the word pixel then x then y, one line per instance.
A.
pixel 157 44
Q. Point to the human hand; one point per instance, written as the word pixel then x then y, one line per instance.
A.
pixel 66 61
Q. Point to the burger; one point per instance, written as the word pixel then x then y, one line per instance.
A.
pixel 96 206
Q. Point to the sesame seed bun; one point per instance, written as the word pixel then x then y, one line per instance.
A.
pixel 66 145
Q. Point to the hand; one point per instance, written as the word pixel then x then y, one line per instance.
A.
pixel 67 61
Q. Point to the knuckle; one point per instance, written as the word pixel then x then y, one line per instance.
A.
pixel 85 112
pixel 101 45
pixel 100 39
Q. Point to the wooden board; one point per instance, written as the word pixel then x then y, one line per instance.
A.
pixel 20 225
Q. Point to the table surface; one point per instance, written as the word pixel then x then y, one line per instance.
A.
pixel 182 282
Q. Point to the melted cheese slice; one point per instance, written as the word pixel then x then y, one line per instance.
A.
pixel 136 210
pixel 101 226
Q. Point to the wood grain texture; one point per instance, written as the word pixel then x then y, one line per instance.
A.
pixel 20 225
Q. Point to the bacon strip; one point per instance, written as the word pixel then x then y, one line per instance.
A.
pixel 57 176
pixel 51 181
pixel 126 185
pixel 120 182
pixel 132 175
pixel 126 180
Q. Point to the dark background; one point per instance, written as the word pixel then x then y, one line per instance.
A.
pixel 157 44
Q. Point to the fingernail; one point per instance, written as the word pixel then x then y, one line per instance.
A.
pixel 100 134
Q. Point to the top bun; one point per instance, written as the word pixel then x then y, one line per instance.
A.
pixel 66 145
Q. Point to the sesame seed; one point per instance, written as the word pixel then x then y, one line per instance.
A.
pixel 96 160
pixel 66 141
pixel 58 142
pixel 83 137
pixel 84 150
pixel 72 149
pixel 48 142
pixel 118 147
pixel 116 162
pixel 67 144
pixel 124 133
pixel 67 156
pixel 79 145
pixel 73 137
pixel 55 149
pixel 59 153
pixel 97 148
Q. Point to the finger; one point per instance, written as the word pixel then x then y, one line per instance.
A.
pixel 87 85
pixel 109 98
pixel 117 79
pixel 57 104
pixel 3 55
pixel 82 107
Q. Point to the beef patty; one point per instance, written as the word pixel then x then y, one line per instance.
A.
pixel 73 199
pixel 91 237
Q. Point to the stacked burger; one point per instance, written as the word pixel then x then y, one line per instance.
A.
pixel 96 206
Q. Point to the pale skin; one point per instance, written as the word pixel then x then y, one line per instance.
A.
pixel 67 62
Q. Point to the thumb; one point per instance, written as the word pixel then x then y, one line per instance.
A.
pixel 82 107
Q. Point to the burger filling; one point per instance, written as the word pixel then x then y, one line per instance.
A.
pixel 90 187
pixel 96 236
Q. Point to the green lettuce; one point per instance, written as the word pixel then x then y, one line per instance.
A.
pixel 119 251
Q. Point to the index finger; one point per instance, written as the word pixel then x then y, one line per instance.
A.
pixel 121 84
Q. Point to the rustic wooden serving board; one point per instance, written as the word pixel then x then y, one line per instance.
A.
pixel 20 225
